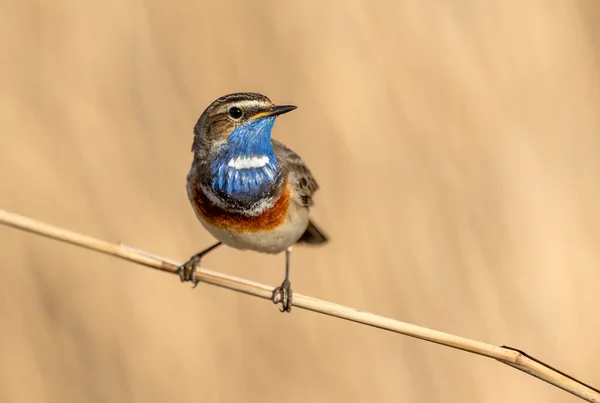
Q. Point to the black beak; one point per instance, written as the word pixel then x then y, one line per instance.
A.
pixel 281 109
pixel 278 110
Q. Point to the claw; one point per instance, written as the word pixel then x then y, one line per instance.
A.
pixel 187 271
pixel 283 294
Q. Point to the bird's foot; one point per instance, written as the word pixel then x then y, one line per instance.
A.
pixel 187 271
pixel 283 294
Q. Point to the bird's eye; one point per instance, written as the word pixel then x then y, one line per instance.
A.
pixel 235 113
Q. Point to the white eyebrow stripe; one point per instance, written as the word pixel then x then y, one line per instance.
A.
pixel 252 103
pixel 247 104
pixel 248 162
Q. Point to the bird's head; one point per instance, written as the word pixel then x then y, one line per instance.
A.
pixel 240 117
pixel 232 147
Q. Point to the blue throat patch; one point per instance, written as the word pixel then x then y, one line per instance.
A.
pixel 246 170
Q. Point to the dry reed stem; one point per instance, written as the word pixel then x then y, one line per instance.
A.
pixel 506 355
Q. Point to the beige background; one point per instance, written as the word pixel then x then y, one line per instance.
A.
pixel 457 145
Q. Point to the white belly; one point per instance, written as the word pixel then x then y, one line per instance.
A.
pixel 272 241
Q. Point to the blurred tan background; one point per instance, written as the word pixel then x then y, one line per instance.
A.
pixel 457 145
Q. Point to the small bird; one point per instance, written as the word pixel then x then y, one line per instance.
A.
pixel 249 191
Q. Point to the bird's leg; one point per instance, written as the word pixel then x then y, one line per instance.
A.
pixel 283 293
pixel 187 271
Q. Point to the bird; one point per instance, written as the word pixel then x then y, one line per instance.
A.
pixel 248 190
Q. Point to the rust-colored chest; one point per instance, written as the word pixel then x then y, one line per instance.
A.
pixel 214 215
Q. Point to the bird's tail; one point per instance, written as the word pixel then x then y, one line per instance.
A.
pixel 313 235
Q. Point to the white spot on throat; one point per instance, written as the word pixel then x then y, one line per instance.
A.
pixel 248 162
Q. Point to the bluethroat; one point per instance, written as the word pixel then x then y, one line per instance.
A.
pixel 248 190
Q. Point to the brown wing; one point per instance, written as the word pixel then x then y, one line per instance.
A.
pixel 299 175
pixel 304 185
